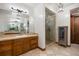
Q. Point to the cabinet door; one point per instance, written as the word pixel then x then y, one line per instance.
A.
pixel 34 42
pixel 6 48
pixel 18 46
pixel 26 46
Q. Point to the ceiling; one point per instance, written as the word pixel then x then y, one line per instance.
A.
pixel 65 4
pixel 32 5
pixel 56 4
pixel 23 5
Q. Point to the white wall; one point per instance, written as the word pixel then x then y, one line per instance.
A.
pixel 39 19
pixel 63 20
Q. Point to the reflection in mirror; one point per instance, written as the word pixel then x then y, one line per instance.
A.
pixel 19 21
pixel 15 22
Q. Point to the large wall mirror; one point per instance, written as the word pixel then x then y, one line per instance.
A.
pixel 15 20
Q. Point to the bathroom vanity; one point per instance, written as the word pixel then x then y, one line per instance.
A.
pixel 17 44
pixel 15 40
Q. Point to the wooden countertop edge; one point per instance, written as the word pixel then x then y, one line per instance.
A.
pixel 17 37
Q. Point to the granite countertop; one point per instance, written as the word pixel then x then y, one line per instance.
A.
pixel 16 36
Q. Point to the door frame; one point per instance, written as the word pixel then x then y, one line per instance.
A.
pixel 70 29
pixel 73 38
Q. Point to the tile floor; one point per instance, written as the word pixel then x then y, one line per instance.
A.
pixel 54 49
pixel 48 42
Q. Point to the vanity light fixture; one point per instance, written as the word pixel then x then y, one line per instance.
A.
pixel 18 10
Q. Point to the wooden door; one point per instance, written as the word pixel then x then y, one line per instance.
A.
pixel 75 29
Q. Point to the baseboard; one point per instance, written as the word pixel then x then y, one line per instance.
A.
pixel 69 45
pixel 56 42
pixel 42 49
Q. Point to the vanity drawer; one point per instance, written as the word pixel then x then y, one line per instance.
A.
pixel 34 40
pixel 33 46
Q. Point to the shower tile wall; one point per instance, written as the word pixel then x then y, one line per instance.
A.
pixel 50 27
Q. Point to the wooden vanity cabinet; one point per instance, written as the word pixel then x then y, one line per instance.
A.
pixel 6 48
pixel 18 46
pixel 23 45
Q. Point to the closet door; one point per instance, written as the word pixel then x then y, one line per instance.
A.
pixel 75 29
